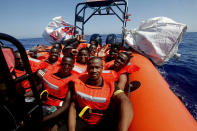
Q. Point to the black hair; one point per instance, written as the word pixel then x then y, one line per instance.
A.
pixel 71 42
pixel 58 45
pixel 67 56
pixel 97 38
pixel 128 56
pixel 91 46
pixel 111 39
pixel 67 50
pixel 86 49
pixel 93 58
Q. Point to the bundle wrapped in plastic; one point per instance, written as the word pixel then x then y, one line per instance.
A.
pixel 157 38
pixel 58 30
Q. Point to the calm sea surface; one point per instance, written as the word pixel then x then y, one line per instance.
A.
pixel 181 75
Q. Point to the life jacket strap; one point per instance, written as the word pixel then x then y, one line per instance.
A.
pixel 44 91
pixel 88 110
pixel 54 97
pixel 118 92
pixel 83 111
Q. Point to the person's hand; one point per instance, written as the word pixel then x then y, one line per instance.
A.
pixel 80 38
pixel 103 51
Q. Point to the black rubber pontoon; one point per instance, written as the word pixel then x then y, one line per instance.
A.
pixel 12 114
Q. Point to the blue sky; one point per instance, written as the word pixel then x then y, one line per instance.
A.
pixel 28 18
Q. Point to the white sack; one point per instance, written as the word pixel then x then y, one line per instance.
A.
pixel 157 38
pixel 58 30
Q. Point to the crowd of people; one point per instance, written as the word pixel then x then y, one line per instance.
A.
pixel 81 85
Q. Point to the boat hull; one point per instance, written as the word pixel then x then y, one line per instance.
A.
pixel 156 107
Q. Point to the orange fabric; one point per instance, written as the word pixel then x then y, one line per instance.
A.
pixel 92 93
pixel 108 64
pixel 130 68
pixel 54 66
pixel 9 57
pixel 37 64
pixel 86 45
pixel 82 45
pixel 44 56
pixel 56 86
pixel 79 68
pixel 155 106
pixel 25 84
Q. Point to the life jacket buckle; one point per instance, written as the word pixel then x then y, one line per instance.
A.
pixel 89 110
pixel 84 110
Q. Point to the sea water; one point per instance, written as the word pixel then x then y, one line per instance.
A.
pixel 181 75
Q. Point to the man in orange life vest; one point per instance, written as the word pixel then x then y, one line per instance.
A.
pixel 19 71
pixel 122 66
pixel 93 93
pixel 56 91
pixel 81 60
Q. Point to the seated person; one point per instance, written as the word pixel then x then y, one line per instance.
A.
pixel 92 95
pixel 20 70
pixel 114 50
pixel 92 50
pixel 96 39
pixel 56 89
pixel 40 52
pixel 81 60
pixel 58 46
pixel 53 59
pixel 67 50
pixel 122 66
pixel 111 39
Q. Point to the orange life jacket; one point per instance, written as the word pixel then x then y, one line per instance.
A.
pixel 56 87
pixel 79 68
pixel 83 45
pixel 96 98
pixel 44 56
pixel 108 64
pixel 129 68
pixel 25 84
pixel 37 64
pixel 87 45
pixel 53 66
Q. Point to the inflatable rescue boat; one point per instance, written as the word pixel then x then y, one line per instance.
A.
pixel 156 107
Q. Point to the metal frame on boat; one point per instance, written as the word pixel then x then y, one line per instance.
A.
pixel 100 8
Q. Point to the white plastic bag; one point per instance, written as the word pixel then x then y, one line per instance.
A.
pixel 58 30
pixel 157 38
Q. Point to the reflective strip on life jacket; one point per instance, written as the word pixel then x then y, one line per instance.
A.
pixel 51 85
pixel 95 97
pixel 106 71
pixel 41 72
pixel 35 60
pixel 78 69
pixel 91 98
